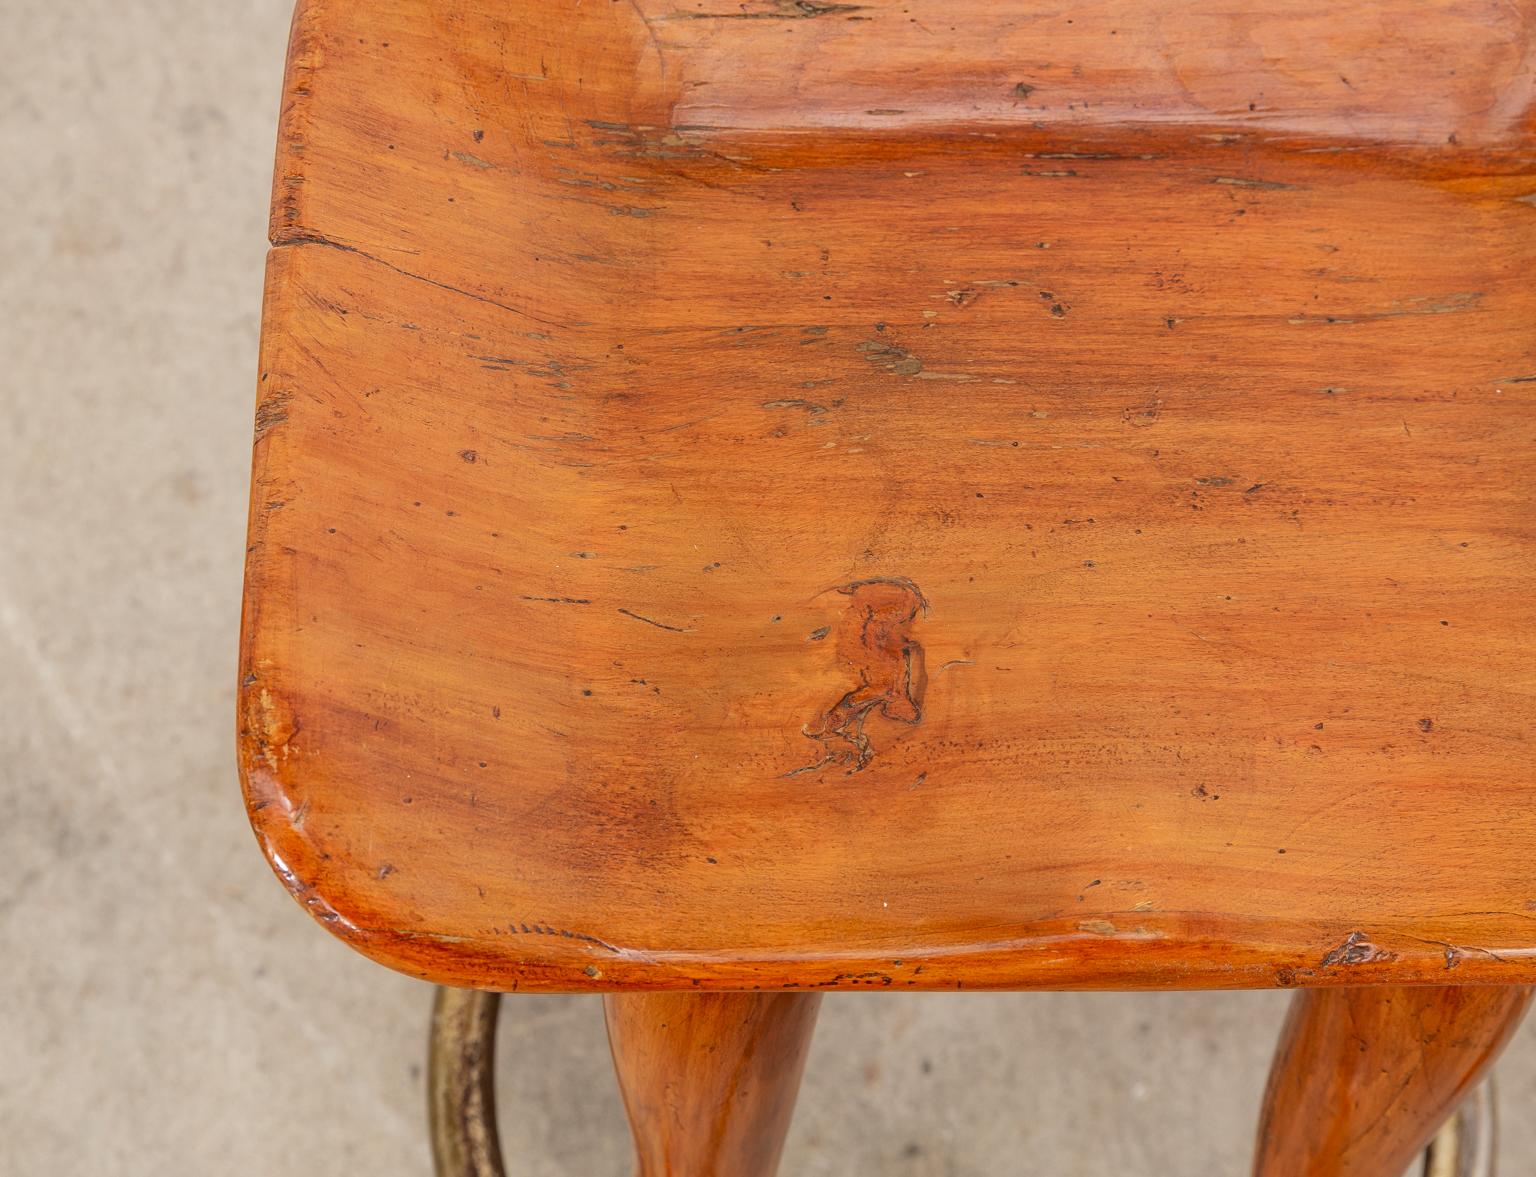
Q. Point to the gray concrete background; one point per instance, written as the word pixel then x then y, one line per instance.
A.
pixel 164 1007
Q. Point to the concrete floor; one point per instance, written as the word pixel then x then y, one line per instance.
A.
pixel 167 1008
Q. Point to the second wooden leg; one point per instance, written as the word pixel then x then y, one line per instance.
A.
pixel 1364 1076
pixel 709 1079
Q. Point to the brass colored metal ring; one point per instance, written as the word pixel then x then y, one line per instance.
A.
pixel 461 1097
pixel 461 1084
pixel 1465 1146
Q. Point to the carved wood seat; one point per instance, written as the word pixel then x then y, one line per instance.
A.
pixel 773 497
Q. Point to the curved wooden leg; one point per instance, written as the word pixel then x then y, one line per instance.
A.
pixel 1364 1076
pixel 709 1079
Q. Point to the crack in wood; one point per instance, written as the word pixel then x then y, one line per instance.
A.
pixel 875 644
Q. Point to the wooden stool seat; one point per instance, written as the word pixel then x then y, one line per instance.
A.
pixel 789 496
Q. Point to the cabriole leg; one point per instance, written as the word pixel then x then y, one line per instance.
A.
pixel 1364 1076
pixel 709 1079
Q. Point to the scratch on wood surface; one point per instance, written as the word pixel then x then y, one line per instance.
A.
pixel 274 730
pixel 1250 182
pixel 536 929
pixel 272 411
pixel 1444 304
pixel 473 161
pixel 653 621
pixel 775 10
pixel 298 239
pixel 810 407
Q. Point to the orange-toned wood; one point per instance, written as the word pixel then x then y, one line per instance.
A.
pixel 709 1079
pixel 913 495
pixel 1364 1077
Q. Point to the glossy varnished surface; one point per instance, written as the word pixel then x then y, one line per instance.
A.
pixel 1363 1077
pixel 709 1079
pixel 901 495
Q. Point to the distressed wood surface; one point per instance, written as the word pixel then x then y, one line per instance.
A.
pixel 1363 1077
pixel 918 496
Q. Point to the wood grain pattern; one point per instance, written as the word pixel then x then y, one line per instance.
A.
pixel 709 1079
pixel 1364 1077
pixel 916 496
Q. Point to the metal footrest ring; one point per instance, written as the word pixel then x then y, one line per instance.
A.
pixel 461 1084
pixel 461 1099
